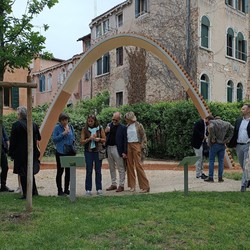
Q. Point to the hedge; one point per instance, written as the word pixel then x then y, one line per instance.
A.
pixel 168 125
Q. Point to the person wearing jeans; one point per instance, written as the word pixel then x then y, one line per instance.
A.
pixel 220 132
pixel 93 137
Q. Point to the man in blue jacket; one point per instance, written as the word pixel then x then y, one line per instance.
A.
pixel 116 142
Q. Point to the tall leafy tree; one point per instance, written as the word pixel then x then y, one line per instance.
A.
pixel 19 42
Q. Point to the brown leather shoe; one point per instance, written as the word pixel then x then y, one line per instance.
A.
pixel 145 190
pixel 112 187
pixel 119 189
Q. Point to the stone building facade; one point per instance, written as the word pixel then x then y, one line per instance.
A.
pixel 209 38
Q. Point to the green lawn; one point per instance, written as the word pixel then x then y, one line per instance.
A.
pixel 202 220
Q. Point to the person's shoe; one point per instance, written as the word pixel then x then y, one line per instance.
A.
pixel 220 179
pixel 112 187
pixel 119 189
pixel 248 184
pixel 22 197
pixel 132 190
pixel 145 190
pixel 6 189
pixel 18 190
pixel 203 176
pixel 61 193
pixel 67 192
pixel 209 179
pixel 99 192
pixel 243 188
pixel 88 193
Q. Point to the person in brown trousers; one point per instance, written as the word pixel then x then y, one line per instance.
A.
pixel 137 143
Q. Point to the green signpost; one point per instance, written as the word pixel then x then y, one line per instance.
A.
pixel 189 160
pixel 72 162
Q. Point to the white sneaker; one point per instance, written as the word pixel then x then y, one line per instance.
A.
pixel 99 192
pixel 88 193
pixel 18 190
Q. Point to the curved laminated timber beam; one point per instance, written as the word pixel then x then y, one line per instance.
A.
pixel 99 49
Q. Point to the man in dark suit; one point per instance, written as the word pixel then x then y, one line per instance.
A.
pixel 19 149
pixel 241 140
pixel 116 141
pixel 198 137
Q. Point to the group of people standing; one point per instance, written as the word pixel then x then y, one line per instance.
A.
pixel 218 134
pixel 125 147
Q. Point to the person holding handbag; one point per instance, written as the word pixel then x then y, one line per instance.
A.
pixel 93 138
pixel 63 134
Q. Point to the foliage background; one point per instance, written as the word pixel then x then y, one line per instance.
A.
pixel 168 125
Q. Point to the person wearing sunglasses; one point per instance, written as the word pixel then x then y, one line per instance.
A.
pixel 116 142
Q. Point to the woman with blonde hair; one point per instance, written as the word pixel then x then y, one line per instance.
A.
pixel 137 143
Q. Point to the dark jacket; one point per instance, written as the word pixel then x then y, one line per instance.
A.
pixel 198 134
pixel 233 141
pixel 18 150
pixel 121 140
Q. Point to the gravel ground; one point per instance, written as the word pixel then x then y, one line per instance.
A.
pixel 160 181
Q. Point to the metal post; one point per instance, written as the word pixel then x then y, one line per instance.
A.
pixel 72 194
pixel 186 179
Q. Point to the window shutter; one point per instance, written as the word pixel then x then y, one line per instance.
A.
pixel 246 6
pixel 244 51
pixel 137 8
pixel 236 5
pixel 14 97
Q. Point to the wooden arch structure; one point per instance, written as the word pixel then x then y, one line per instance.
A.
pixel 102 47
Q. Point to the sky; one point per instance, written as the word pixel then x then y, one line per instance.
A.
pixel 68 20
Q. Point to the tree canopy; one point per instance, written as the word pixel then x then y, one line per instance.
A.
pixel 19 42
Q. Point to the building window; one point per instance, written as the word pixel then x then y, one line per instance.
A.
pixel 230 91
pixel 105 25
pixel 204 87
pixel 205 24
pixel 11 97
pixel 242 5
pixel 61 77
pixel 98 30
pixel 42 83
pixel 119 20
pixel 239 92
pixel 230 42
pixel 6 97
pixel 50 82
pixel 103 65
pixel 119 99
pixel 241 47
pixel 141 7
pixel 119 56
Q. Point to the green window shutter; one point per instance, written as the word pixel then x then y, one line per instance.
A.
pixel 137 8
pixel 14 97
pixel 239 95
pixel 246 6
pixel 244 51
